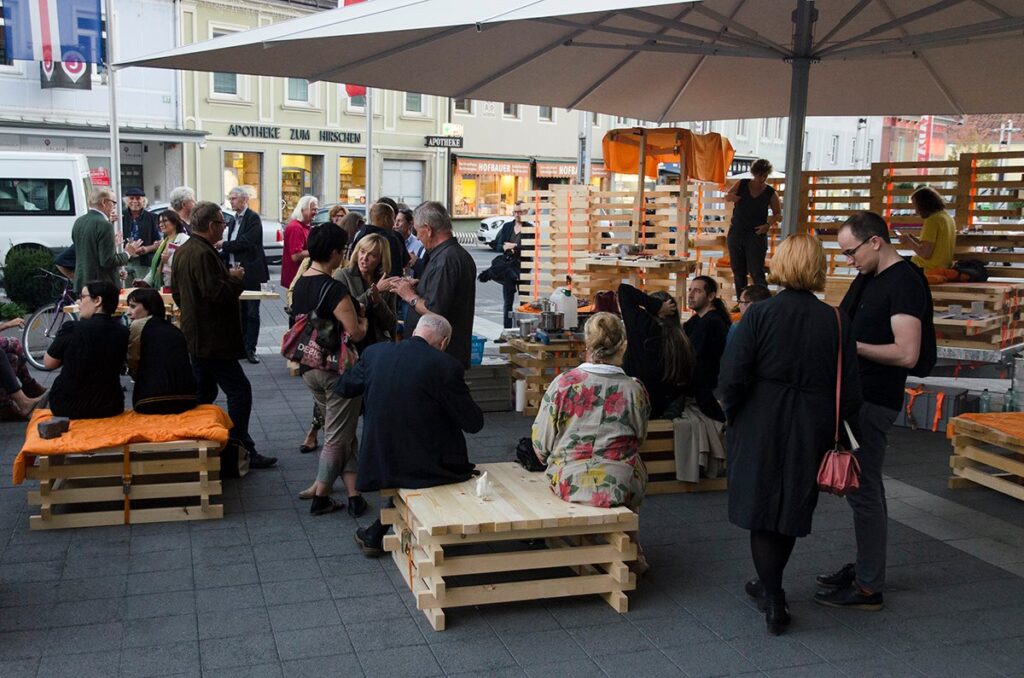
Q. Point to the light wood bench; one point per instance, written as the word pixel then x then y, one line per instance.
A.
pixel 983 455
pixel 152 482
pixel 658 453
pixel 591 546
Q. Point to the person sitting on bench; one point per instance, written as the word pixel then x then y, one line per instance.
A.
pixel 592 422
pixel 91 354
pixel 428 448
pixel 158 358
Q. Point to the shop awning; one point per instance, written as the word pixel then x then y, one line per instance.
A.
pixel 559 168
pixel 519 167
pixel 707 156
pixel 128 133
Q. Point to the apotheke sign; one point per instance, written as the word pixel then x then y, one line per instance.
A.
pixel 294 134
pixel 443 142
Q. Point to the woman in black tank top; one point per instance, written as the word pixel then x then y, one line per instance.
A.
pixel 748 239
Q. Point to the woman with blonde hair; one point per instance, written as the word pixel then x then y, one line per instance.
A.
pixel 592 422
pixel 779 393
pixel 367 282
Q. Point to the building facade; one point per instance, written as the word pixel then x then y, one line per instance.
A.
pixel 153 138
pixel 284 137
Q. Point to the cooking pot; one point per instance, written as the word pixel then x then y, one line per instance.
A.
pixel 527 326
pixel 550 321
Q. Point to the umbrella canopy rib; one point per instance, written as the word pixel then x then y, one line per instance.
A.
pixel 729 22
pixel 896 22
pixel 960 34
pixel 842 23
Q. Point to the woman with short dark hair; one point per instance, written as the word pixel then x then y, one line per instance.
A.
pixel 91 354
pixel 157 358
pixel 748 229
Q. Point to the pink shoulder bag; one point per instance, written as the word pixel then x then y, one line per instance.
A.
pixel 839 473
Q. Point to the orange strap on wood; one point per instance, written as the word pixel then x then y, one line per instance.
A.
pixel 408 526
pixel 126 484
pixel 889 186
pixel 536 245
pixel 568 231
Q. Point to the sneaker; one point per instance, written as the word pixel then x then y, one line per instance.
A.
pixel 357 506
pixel 257 460
pixel 851 597
pixel 370 549
pixel 755 590
pixel 837 580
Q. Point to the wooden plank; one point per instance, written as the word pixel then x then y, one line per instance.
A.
pixel 138 517
pixel 527 560
pixel 507 592
pixel 81 495
pixel 992 482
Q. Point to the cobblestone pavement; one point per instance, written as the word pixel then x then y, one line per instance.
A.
pixel 272 591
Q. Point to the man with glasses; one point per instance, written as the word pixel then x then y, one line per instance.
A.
pixel 505 267
pixel 207 293
pixel 889 304
pixel 96 255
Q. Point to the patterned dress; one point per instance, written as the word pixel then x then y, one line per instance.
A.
pixel 589 429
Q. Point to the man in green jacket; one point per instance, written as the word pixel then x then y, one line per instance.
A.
pixel 96 255
pixel 207 294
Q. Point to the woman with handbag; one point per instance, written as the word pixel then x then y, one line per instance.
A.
pixel 781 394
pixel 326 305
pixel 367 282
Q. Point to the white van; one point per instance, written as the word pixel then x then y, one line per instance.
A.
pixel 41 195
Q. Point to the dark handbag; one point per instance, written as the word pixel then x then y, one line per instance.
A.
pixel 839 473
pixel 527 458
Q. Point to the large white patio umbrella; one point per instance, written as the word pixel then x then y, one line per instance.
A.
pixel 657 60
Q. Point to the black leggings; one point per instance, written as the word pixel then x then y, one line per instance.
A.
pixel 771 552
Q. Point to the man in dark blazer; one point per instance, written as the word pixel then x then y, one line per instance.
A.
pixel 243 246
pixel 207 294
pixel 429 447
pixel 139 224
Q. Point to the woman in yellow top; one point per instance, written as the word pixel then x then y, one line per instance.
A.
pixel 934 247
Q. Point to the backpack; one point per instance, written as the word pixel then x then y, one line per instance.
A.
pixel 973 269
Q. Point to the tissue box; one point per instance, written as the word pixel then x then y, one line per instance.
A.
pixel 921 401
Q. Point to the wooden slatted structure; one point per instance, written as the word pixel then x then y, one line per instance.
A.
pixel 983 454
pixel 658 453
pixel 587 548
pixel 139 483
pixel 538 364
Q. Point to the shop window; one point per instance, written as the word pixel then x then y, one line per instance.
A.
pixel 38 197
pixel 415 103
pixel 297 91
pixel 510 111
pixel 545 113
pixel 488 194
pixel 351 180
pixel 300 175
pixel 463 105
pixel 245 170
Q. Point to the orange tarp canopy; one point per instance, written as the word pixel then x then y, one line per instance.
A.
pixel 704 157
pixel 205 422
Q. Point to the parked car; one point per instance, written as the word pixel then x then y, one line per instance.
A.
pixel 273 233
pixel 41 195
pixel 489 229
pixel 322 214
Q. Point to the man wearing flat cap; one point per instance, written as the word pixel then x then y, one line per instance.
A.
pixel 139 224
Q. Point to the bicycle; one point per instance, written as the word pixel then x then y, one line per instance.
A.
pixel 42 327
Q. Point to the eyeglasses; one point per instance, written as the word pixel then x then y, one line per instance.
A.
pixel 851 253
pixel 110 200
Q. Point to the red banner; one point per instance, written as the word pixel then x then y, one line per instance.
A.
pixel 99 176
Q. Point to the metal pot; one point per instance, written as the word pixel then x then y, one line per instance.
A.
pixel 550 321
pixel 527 326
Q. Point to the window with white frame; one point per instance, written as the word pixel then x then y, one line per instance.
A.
pixel 545 114
pixel 356 103
pixel 766 125
pixel 741 128
pixel 780 129
pixel 595 119
pixel 621 121
pixel 297 91
pixel 833 150
pixel 463 105
pixel 415 103
pixel 510 111
pixel 226 85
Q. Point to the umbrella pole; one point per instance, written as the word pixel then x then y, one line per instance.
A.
pixel 640 211
pixel 803 33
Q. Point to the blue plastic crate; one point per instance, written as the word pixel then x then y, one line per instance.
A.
pixel 476 351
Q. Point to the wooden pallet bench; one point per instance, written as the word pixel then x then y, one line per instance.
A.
pixel 455 549
pixel 986 454
pixel 538 364
pixel 658 453
pixel 138 483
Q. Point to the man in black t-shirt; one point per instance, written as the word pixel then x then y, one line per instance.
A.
pixel 888 303
pixel 707 330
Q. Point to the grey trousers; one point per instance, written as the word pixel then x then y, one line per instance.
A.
pixel 870 513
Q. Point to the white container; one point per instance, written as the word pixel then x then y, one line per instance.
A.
pixel 520 395
pixel 564 302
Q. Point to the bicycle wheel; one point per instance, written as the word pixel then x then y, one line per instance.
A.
pixel 40 331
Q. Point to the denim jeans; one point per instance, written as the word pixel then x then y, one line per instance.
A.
pixel 227 374
pixel 870 513
pixel 250 324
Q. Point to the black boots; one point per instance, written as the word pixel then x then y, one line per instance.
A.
pixel 776 613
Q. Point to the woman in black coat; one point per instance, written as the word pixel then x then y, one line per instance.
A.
pixel 778 386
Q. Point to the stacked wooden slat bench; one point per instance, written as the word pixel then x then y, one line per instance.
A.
pixel 658 453
pixel 998 327
pixel 538 364
pixel 988 450
pixel 587 550
pixel 151 482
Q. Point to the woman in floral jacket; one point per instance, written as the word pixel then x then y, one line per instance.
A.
pixel 592 422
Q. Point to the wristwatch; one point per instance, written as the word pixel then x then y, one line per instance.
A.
pixel 415 300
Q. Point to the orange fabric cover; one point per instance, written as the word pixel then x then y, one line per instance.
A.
pixel 705 157
pixel 1010 423
pixel 205 422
